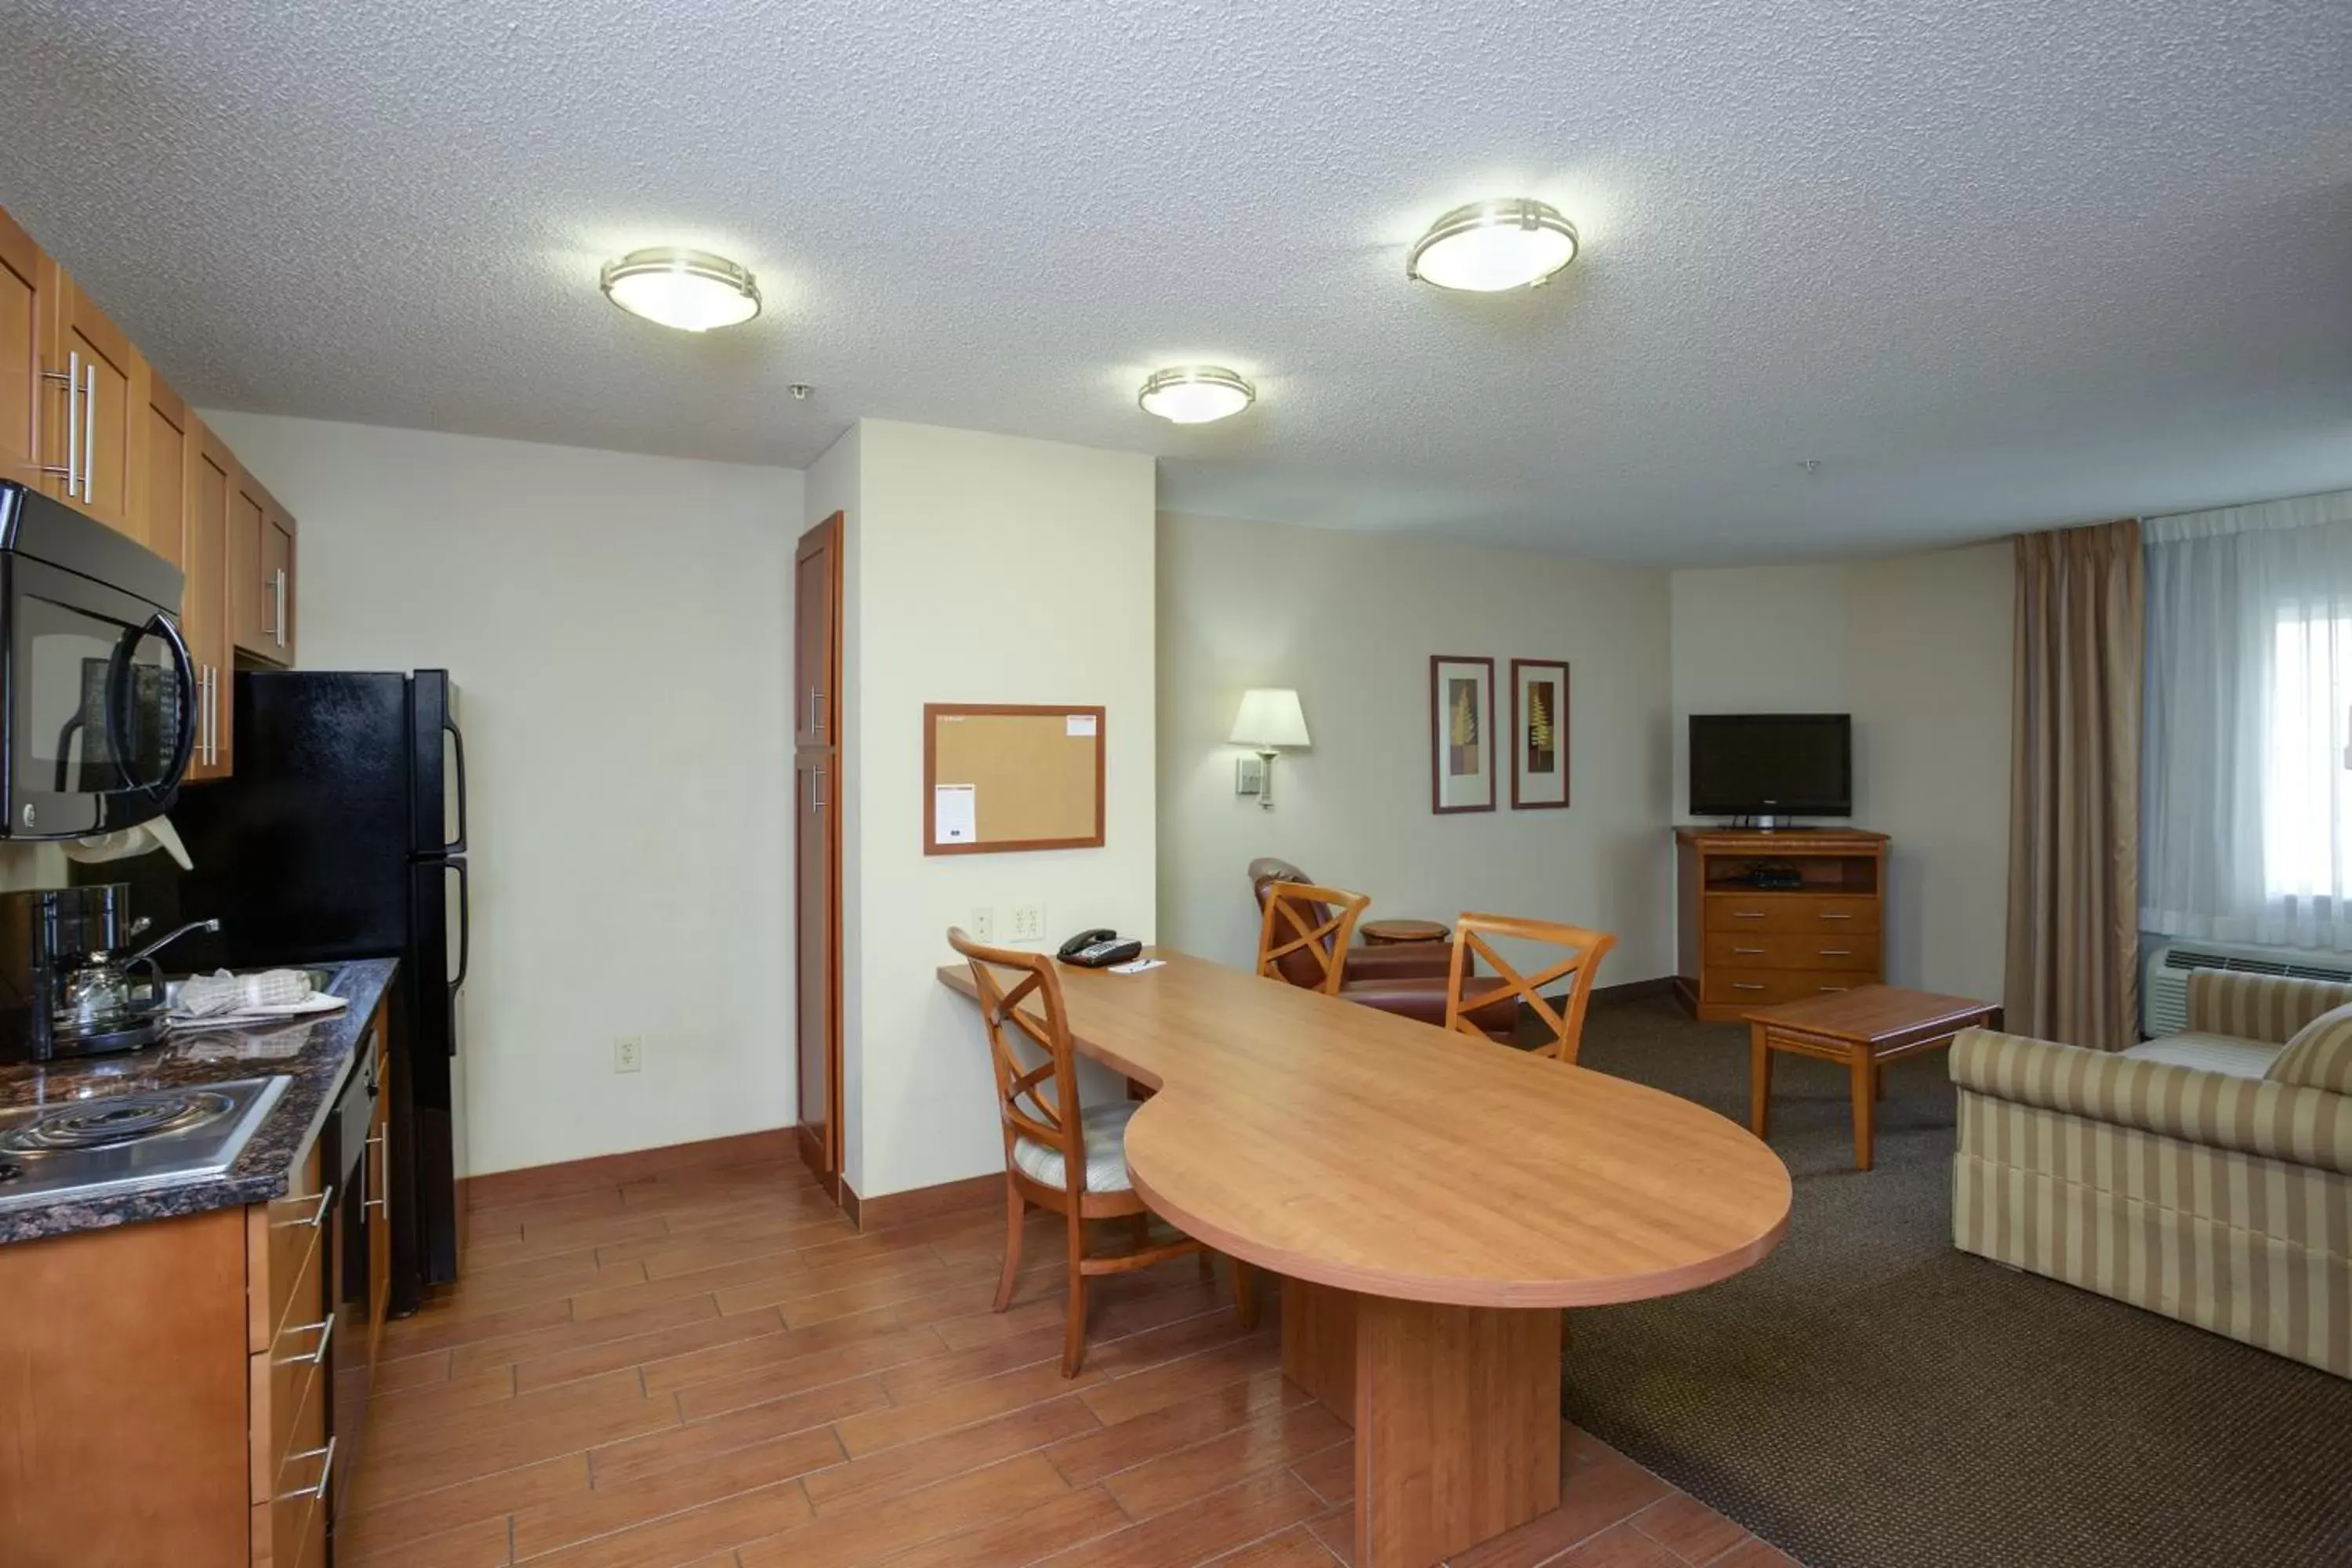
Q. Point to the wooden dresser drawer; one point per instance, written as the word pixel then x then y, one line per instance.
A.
pixel 1854 912
pixel 279 1236
pixel 1770 988
pixel 1791 949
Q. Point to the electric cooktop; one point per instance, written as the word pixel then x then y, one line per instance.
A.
pixel 106 1143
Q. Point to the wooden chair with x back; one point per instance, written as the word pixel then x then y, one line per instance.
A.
pixel 1303 934
pixel 1058 1156
pixel 1474 939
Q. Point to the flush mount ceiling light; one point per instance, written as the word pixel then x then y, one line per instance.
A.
pixel 1195 394
pixel 692 290
pixel 1495 244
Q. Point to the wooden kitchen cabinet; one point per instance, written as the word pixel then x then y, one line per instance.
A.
pixel 204 601
pixel 25 304
pixel 165 475
pixel 102 377
pixel 261 573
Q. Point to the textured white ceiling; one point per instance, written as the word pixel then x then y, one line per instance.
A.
pixel 1992 262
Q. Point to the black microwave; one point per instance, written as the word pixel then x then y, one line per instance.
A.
pixel 97 704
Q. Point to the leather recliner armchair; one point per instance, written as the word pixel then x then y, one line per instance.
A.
pixel 1406 978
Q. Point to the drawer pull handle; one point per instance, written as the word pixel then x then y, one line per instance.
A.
pixel 325 1328
pixel 1748 915
pixel 1745 985
pixel 1837 953
pixel 318 1219
pixel 326 1457
pixel 1757 951
pixel 1837 987
pixel 1827 916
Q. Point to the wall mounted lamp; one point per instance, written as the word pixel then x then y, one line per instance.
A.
pixel 1270 717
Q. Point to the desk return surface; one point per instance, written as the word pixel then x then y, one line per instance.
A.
pixel 1356 1149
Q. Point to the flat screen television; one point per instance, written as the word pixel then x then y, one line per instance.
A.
pixel 1771 765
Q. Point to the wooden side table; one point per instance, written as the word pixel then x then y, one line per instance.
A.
pixel 1392 933
pixel 1865 1028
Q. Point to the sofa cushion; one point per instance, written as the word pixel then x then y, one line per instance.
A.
pixel 2320 1055
pixel 2213 1053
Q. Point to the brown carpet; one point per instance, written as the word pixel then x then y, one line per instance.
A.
pixel 1870 1397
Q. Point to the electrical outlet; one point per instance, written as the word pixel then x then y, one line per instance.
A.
pixel 983 925
pixel 628 1054
pixel 1028 923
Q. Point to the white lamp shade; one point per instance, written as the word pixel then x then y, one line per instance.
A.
pixel 1270 716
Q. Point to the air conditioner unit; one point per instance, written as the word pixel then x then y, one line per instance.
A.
pixel 2164 979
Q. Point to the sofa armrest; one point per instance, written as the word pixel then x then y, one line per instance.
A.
pixel 2269 1008
pixel 2253 1115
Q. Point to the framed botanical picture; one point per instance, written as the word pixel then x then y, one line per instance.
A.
pixel 1539 734
pixel 1462 757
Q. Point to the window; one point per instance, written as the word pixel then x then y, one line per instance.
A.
pixel 2306 809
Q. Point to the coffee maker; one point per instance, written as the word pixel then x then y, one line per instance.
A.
pixel 63 990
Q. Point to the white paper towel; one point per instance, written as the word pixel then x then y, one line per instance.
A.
pixel 143 839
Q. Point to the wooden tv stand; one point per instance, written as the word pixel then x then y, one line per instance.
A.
pixel 1739 946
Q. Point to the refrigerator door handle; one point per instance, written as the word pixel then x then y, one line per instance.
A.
pixel 464 924
pixel 458 743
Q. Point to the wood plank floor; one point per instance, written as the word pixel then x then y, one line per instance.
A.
pixel 707 1365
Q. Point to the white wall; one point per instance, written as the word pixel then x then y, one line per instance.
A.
pixel 1917 648
pixel 981 569
pixel 619 629
pixel 1350 621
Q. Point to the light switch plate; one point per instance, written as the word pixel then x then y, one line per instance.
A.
pixel 983 925
pixel 1249 774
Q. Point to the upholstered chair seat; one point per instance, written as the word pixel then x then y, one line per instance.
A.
pixel 1104 1129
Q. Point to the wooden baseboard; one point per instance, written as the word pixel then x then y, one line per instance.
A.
pixel 1634 990
pixel 533 1182
pixel 922 1203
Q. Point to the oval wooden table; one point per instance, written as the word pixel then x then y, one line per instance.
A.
pixel 1433 1201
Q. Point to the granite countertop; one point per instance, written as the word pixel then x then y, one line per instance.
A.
pixel 314 1056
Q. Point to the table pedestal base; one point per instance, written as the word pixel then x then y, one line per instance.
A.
pixel 1457 1411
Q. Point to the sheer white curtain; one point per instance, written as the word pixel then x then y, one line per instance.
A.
pixel 2246 800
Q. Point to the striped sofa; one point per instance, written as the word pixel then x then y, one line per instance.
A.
pixel 2207 1176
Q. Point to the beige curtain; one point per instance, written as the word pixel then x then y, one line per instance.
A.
pixel 2073 811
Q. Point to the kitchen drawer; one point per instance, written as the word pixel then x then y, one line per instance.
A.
pixel 1770 988
pixel 279 1236
pixel 1791 950
pixel 281 1376
pixel 1855 912
pixel 293 1497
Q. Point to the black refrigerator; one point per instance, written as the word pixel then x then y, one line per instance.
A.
pixel 342 836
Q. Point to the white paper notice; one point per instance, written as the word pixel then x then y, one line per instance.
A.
pixel 1079 724
pixel 955 813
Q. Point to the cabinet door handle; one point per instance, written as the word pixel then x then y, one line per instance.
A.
pixel 1829 916
pixel 279 631
pixel 816 801
pixel 325 1328
pixel 1749 951
pixel 326 1457
pixel 1836 988
pixel 375 1142
pixel 1745 985
pixel 1837 953
pixel 89 430
pixel 1748 915
pixel 71 377
pixel 318 1219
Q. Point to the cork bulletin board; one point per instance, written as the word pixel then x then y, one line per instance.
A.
pixel 1005 776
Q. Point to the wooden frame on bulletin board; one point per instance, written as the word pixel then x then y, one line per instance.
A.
pixel 1035 771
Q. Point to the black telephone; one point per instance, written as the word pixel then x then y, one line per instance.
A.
pixel 1098 948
